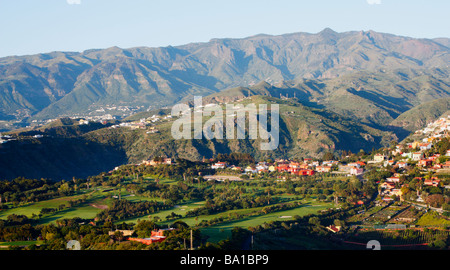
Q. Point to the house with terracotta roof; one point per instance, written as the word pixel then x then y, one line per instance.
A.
pixel 282 167
pixel 434 181
pixel 425 162
pixel 156 236
pixel 334 228
pixel 446 165
pixel 387 185
pixel 305 172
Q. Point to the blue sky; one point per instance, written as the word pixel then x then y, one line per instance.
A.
pixel 38 26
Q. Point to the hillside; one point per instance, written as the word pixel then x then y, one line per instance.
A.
pixel 373 98
pixel 304 131
pixel 57 84
pixel 418 117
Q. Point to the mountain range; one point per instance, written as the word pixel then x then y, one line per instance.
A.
pixel 55 84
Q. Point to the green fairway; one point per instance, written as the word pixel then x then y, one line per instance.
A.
pixel 6 245
pixel 181 209
pixel 222 231
pixel 86 210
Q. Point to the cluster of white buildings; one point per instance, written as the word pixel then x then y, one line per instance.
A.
pixel 436 128
pixel 143 123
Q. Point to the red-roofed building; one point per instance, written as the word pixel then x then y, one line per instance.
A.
pixel 432 182
pixel 305 172
pixel 334 229
pixel 387 185
pixel 283 167
pixel 425 163
pixel 156 237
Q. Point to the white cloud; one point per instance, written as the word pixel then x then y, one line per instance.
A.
pixel 374 2
pixel 74 2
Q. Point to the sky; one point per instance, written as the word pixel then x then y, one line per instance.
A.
pixel 41 26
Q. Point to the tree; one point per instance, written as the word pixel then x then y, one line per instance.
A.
pixel 314 221
pixel 328 156
pixel 435 200
pixel 144 228
pixel 338 222
pixel 118 235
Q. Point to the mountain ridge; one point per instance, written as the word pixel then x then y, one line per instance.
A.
pixel 166 75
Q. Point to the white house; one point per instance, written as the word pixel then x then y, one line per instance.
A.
pixel 219 165
pixel 356 171
pixel 417 156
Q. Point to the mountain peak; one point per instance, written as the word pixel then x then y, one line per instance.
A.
pixel 328 30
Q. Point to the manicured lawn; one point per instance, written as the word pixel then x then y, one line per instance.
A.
pixel 84 210
pixel 5 245
pixel 181 209
pixel 222 231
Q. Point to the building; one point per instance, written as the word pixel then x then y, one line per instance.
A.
pixel 379 158
pixel 425 146
pixel 354 164
pixel 149 240
pixel 393 179
pixel 334 229
pixel 417 156
pixel 432 182
pixel 402 165
pixel 323 169
pixel 282 167
pixel 219 165
pixel 446 165
pixel 236 168
pixel 345 168
pixel 251 169
pixel 126 233
pixel 154 162
pixel 262 167
pixel 387 185
pixel 425 163
pixel 156 237
pixel 305 172
pixel 356 171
